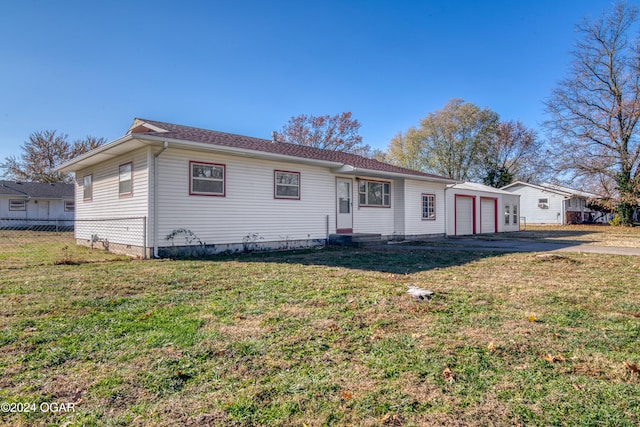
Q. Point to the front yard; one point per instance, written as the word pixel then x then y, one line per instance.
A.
pixel 325 337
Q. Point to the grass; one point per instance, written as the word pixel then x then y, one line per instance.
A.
pixel 323 337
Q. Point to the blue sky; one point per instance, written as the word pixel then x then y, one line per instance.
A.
pixel 89 68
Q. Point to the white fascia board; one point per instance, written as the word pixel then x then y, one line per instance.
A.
pixel 351 170
pixel 69 165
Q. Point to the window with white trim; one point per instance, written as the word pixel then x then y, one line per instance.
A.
pixel 374 193
pixel 69 206
pixel 428 206
pixel 17 205
pixel 287 185
pixel 125 179
pixel 515 214
pixel 87 190
pixel 543 203
pixel 507 214
pixel 207 179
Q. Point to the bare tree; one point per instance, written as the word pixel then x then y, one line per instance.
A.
pixel 595 110
pixel 514 155
pixel 42 153
pixel 336 133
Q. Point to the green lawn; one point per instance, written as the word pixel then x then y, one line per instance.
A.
pixel 323 337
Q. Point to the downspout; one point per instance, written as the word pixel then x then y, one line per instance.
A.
pixel 155 198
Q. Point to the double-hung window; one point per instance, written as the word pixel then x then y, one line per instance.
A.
pixel 125 180
pixel 87 188
pixel 207 179
pixel 428 206
pixel 507 214
pixel 374 193
pixel 515 214
pixel 287 185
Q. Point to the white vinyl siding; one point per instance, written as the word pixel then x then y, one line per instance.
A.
pixel 248 211
pixel 106 201
pixel 414 223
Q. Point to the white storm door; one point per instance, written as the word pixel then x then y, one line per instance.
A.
pixel 344 215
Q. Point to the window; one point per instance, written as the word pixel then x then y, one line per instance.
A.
pixel 569 202
pixel 87 191
pixel 543 203
pixel 17 205
pixel 428 206
pixel 374 193
pixel 69 206
pixel 515 214
pixel 507 214
pixel 207 179
pixel 287 185
pixel 125 179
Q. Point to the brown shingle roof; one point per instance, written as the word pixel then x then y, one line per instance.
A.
pixel 187 133
pixel 58 190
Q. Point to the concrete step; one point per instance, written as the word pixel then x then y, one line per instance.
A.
pixel 355 240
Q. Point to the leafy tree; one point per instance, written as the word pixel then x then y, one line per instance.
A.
pixel 514 154
pixel 336 133
pixel 451 142
pixel 595 110
pixel 42 153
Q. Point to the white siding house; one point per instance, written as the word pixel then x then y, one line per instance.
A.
pixel 173 188
pixel 36 204
pixel 480 209
pixel 553 204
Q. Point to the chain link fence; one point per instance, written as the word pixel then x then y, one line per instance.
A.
pixel 36 241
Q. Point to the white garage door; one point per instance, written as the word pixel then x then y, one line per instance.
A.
pixel 464 215
pixel 488 216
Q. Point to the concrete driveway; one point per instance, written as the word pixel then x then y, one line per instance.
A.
pixel 496 243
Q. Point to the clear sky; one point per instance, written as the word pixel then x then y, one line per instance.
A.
pixel 90 67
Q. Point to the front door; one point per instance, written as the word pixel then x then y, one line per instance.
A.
pixel 344 221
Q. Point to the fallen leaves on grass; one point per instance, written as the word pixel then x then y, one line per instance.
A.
pixel 447 375
pixel 552 359
pixel 633 367
pixel 392 419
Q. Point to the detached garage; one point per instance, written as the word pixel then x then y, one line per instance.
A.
pixel 480 209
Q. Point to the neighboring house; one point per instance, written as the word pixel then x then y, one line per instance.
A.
pixel 478 209
pixel 199 189
pixel 553 204
pixel 25 204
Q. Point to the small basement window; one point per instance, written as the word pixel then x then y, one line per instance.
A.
pixel 17 205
